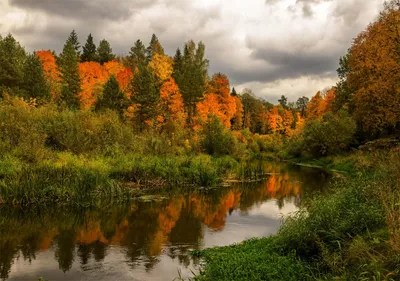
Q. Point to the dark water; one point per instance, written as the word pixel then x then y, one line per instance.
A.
pixel 147 240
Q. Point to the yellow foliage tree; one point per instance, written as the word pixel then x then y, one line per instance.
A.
pixel 161 67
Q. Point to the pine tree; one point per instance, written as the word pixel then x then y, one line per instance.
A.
pixel 12 59
pixel 73 39
pixel 69 71
pixel 145 96
pixel 192 76
pixel 177 65
pixel 104 52
pixel 233 93
pixel 89 50
pixel 112 97
pixel 34 82
pixel 153 48
pixel 283 101
pixel 137 55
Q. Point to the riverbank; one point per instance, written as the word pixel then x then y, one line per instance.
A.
pixel 68 178
pixel 352 234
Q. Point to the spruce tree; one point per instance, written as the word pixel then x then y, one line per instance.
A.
pixel 137 55
pixel 69 71
pixel 34 82
pixel 193 75
pixel 73 39
pixel 104 52
pixel 233 93
pixel 153 48
pixel 177 71
pixel 12 59
pixel 112 97
pixel 145 96
pixel 89 50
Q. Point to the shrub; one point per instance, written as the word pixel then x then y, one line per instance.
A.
pixel 216 139
pixel 331 135
pixel 295 146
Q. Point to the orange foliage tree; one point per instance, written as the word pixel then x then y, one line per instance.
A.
pixel 329 100
pixel 287 122
pixel 375 74
pixel 218 101
pixel 123 78
pixel 52 74
pixel 237 120
pixel 171 104
pixel 93 76
pixel 274 120
pixel 316 107
pixel 113 67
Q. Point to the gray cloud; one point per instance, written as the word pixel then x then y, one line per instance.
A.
pixel 307 6
pixel 85 9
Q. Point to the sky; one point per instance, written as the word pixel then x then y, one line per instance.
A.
pixel 274 47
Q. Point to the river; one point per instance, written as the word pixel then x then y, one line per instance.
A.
pixel 150 238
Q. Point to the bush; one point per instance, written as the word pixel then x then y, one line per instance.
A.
pixel 84 131
pixel 216 139
pixel 331 135
pixel 295 146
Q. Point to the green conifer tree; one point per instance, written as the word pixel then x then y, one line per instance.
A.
pixel 153 48
pixel 137 54
pixel 89 50
pixel 12 60
pixel 191 73
pixel 34 82
pixel 73 39
pixel 112 97
pixel 69 71
pixel 104 52
pixel 145 96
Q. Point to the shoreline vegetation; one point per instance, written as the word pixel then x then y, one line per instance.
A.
pixel 351 234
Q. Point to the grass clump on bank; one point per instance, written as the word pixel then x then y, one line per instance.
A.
pixel 351 234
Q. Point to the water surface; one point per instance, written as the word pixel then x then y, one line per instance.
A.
pixel 148 240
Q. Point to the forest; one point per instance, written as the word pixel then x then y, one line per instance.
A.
pixel 87 127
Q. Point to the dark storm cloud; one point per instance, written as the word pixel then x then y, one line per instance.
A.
pixel 285 65
pixel 85 9
pixel 294 67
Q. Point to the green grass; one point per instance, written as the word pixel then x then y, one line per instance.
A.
pixel 84 180
pixel 255 259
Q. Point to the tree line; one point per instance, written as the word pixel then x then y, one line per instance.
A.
pixel 155 90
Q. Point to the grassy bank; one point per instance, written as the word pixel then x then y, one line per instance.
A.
pixel 352 234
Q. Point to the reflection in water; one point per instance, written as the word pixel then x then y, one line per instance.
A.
pixel 146 240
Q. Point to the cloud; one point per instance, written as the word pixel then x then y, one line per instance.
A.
pixel 266 44
pixel 85 9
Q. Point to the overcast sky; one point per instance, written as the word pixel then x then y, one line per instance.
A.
pixel 274 47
